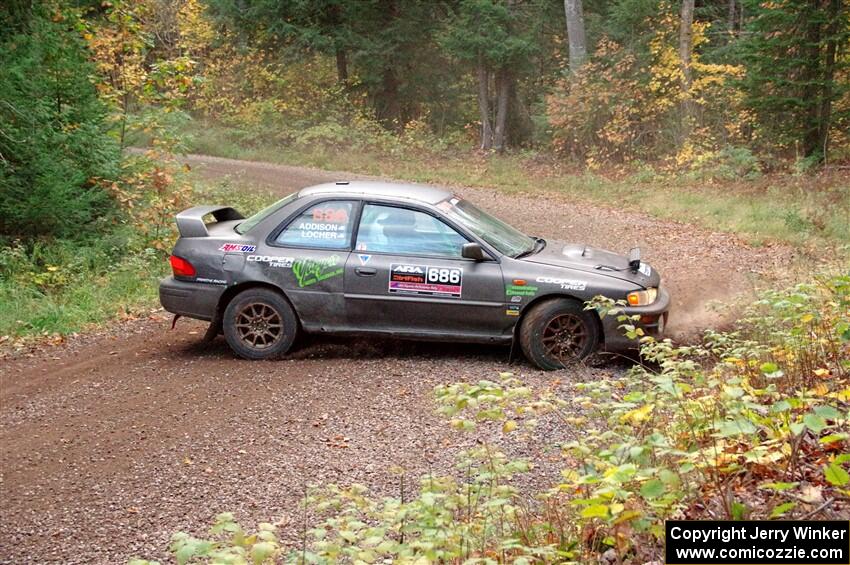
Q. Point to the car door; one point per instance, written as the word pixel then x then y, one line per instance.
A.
pixel 406 276
pixel 306 257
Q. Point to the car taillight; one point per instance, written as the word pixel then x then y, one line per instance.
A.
pixel 181 267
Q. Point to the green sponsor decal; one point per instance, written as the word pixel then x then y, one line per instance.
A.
pixel 311 271
pixel 514 290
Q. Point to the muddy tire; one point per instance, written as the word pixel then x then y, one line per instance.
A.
pixel 558 332
pixel 259 324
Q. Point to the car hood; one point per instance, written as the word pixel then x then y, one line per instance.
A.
pixel 594 260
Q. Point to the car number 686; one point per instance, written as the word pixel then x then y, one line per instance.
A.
pixel 439 275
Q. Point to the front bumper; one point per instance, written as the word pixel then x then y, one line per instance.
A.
pixel 653 320
pixel 195 300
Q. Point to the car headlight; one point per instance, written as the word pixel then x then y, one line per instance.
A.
pixel 642 297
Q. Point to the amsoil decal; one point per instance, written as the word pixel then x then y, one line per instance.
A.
pixel 237 248
pixel 421 279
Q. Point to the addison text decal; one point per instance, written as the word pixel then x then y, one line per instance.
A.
pixel 421 279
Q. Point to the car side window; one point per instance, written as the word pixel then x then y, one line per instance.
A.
pixel 387 229
pixel 326 225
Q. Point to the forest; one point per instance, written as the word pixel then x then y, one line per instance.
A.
pixel 732 89
pixel 716 130
pixel 608 101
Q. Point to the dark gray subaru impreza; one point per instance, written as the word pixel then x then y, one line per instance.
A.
pixel 404 260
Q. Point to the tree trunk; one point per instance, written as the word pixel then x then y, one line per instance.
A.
pixel 575 34
pixel 341 66
pixel 733 18
pixel 503 95
pixel 484 104
pixel 832 38
pixel 520 127
pixel 686 43
pixel 811 75
pixel 388 108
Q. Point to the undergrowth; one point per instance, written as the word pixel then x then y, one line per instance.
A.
pixel 750 424
pixel 51 287
pixel 61 286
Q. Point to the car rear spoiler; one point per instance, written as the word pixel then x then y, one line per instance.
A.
pixel 190 223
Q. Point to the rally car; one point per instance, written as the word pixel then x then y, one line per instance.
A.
pixel 401 260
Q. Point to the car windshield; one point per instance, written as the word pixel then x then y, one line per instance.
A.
pixel 248 224
pixel 504 238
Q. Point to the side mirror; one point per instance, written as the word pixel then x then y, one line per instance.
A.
pixel 473 251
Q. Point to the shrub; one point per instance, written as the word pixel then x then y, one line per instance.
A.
pixel 627 102
pixel 748 424
pixel 728 163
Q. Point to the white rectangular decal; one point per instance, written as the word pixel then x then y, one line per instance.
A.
pixel 424 280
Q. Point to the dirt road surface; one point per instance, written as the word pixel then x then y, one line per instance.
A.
pixel 117 439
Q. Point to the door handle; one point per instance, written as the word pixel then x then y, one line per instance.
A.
pixel 366 271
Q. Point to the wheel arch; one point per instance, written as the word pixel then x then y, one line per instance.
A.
pixel 551 297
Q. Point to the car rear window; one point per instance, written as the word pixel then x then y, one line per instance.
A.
pixel 249 224
pixel 326 225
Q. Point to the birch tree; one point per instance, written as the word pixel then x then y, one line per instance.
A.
pixel 575 34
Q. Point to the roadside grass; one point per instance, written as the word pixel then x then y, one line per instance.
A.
pixel 64 286
pixel 61 286
pixel 810 211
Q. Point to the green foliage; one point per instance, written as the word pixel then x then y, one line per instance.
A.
pixel 793 51
pixel 761 78
pixel 491 31
pixel 749 424
pixel 736 427
pixel 729 163
pixel 62 286
pixel 54 149
pixel 384 53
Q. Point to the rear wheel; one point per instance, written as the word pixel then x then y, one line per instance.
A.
pixel 259 324
pixel 558 332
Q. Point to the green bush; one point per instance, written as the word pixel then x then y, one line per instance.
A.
pixel 749 424
pixel 729 163
pixel 54 144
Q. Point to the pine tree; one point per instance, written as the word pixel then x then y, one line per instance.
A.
pixel 791 51
pixel 53 133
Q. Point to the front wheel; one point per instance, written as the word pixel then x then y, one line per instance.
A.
pixel 558 332
pixel 259 324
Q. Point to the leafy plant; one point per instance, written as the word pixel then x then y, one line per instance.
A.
pixel 748 424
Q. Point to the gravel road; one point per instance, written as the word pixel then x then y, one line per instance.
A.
pixel 116 439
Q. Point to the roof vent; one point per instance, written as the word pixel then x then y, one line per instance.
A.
pixel 342 182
